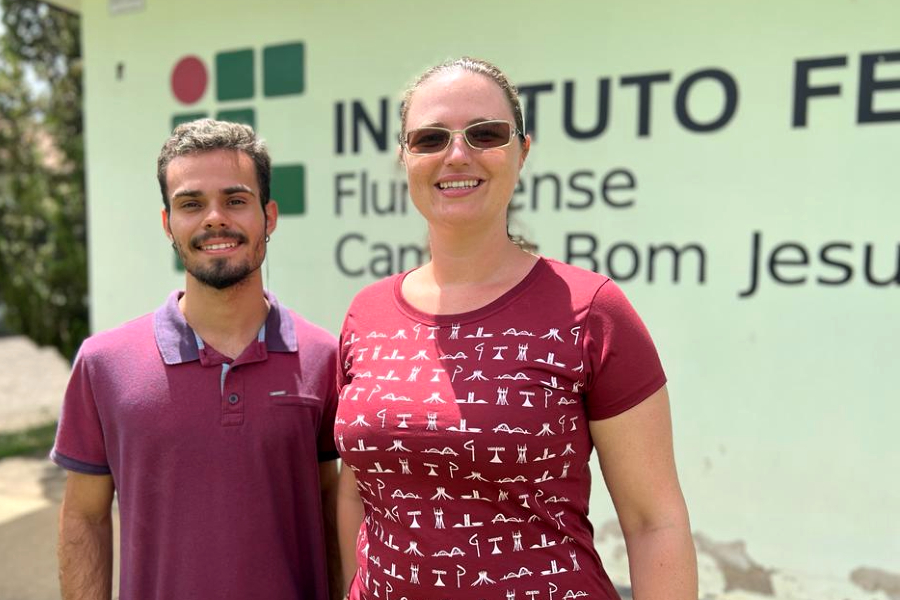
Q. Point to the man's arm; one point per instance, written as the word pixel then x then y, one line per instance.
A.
pixel 328 479
pixel 636 457
pixel 85 537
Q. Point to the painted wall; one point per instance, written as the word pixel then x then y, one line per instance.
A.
pixel 753 143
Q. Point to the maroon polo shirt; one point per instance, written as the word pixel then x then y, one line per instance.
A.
pixel 215 461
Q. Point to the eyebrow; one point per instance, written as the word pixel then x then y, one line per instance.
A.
pixel 471 122
pixel 233 189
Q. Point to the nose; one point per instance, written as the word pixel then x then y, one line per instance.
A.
pixel 458 150
pixel 215 217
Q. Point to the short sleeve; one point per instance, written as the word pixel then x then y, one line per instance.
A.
pixel 326 448
pixel 343 357
pixel 79 444
pixel 620 357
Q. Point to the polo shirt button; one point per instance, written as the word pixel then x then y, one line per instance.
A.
pixel 233 399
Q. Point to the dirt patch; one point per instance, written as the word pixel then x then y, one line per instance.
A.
pixel 739 570
pixel 877 580
pixel 32 384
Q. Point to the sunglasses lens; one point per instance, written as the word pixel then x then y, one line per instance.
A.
pixel 427 140
pixel 491 134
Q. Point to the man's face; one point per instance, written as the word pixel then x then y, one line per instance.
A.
pixel 216 221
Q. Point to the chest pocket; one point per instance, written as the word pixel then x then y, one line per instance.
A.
pixel 295 400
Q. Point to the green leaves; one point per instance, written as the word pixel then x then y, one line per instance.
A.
pixel 43 258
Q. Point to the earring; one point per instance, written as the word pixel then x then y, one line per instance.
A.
pixel 267 238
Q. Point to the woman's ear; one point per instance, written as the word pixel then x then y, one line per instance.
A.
pixel 526 146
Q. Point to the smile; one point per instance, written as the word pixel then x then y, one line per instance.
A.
pixel 219 246
pixel 466 184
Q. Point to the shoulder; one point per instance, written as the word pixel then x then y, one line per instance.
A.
pixel 375 293
pixel 309 334
pixel 579 281
pixel 576 275
pixel 118 341
pixel 596 294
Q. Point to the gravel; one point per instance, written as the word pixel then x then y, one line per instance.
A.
pixel 32 384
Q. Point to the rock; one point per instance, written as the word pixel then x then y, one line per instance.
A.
pixel 32 384
pixel 877 580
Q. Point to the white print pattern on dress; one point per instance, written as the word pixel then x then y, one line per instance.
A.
pixel 576 332
pixel 553 334
pixel 527 402
pixel 441 494
pixel 479 333
pixel 474 495
pixel 550 360
pixel 501 396
pixel 513 332
pixel 470 399
pixel 445 451
pixel 508 483
pixel 504 428
pixel 377 468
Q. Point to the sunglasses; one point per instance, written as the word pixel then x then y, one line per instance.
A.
pixel 479 136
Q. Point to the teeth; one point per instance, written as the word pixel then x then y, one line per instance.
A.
pixel 470 183
pixel 219 246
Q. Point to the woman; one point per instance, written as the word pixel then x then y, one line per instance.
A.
pixel 475 387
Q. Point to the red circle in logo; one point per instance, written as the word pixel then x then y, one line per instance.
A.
pixel 189 79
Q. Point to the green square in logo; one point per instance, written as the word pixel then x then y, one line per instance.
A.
pixel 283 69
pixel 247 116
pixel 234 75
pixel 186 118
pixel 289 189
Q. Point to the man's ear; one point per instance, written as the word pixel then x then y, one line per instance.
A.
pixel 165 225
pixel 271 212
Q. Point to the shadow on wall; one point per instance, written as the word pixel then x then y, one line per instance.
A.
pixel 727 572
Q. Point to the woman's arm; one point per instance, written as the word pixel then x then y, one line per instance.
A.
pixel 349 518
pixel 638 464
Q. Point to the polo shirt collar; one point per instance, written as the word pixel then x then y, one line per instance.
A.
pixel 178 343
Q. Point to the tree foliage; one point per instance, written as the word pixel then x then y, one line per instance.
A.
pixel 43 258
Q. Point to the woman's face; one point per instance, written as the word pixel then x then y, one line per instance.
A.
pixel 485 179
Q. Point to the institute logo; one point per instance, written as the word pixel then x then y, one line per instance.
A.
pixel 234 82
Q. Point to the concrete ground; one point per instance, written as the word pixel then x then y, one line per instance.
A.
pixel 31 490
pixel 32 384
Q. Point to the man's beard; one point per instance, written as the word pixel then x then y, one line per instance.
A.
pixel 221 273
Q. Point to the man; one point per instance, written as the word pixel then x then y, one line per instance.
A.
pixel 208 417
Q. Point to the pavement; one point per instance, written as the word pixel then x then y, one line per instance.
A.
pixel 30 492
pixel 32 385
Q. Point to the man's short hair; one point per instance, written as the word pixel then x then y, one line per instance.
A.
pixel 204 135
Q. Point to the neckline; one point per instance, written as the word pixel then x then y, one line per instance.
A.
pixel 466 317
